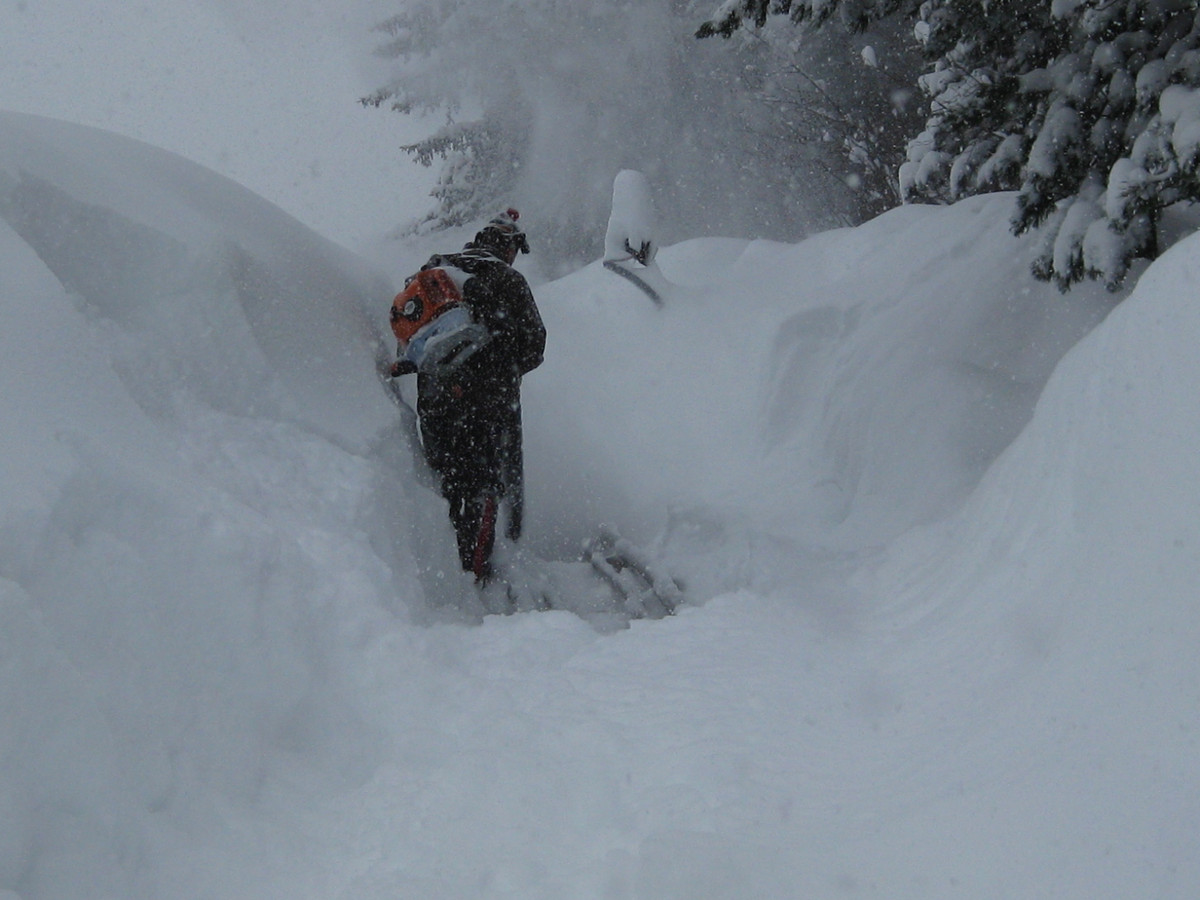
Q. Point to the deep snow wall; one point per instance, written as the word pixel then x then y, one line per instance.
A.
pixel 1062 598
pixel 188 510
pixel 142 237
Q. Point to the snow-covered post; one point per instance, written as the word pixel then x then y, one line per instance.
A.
pixel 630 243
pixel 632 222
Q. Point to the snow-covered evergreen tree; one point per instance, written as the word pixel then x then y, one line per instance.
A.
pixel 1087 108
pixel 1075 104
pixel 732 15
pixel 546 100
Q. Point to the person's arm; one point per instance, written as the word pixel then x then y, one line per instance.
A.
pixel 529 332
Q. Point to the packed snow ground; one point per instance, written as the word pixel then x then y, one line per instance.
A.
pixel 938 522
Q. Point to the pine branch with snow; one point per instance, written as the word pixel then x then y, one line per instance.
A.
pixel 1086 108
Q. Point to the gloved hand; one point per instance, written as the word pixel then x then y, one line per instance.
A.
pixel 402 367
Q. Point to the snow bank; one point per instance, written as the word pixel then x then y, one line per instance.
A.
pixel 837 391
pixel 143 236
pixel 180 560
pixel 1062 602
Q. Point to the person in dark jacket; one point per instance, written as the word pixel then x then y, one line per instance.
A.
pixel 471 418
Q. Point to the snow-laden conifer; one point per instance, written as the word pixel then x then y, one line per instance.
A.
pixel 1085 108
pixel 542 102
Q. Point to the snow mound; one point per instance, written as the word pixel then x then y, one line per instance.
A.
pixel 1061 599
pixel 835 392
pixel 141 237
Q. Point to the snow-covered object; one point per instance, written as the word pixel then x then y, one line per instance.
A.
pixel 1061 9
pixel 1125 178
pixel 1151 80
pixel 1098 91
pixel 1005 158
pixel 1058 140
pixel 909 169
pixel 1068 244
pixel 744 368
pixel 1103 250
pixel 1180 108
pixel 923 166
pixel 632 224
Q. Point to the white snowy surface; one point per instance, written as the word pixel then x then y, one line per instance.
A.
pixel 939 524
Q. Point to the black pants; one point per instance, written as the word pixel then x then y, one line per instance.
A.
pixel 473 442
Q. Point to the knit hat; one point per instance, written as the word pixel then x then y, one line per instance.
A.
pixel 503 233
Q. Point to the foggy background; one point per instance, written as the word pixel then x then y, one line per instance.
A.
pixel 268 93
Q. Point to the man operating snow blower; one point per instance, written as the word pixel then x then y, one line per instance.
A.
pixel 468 326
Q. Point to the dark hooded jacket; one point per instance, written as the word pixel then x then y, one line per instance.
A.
pixel 499 299
pixel 471 420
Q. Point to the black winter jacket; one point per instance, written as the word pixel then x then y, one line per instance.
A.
pixel 500 299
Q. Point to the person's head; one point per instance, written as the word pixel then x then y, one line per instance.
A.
pixel 503 236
